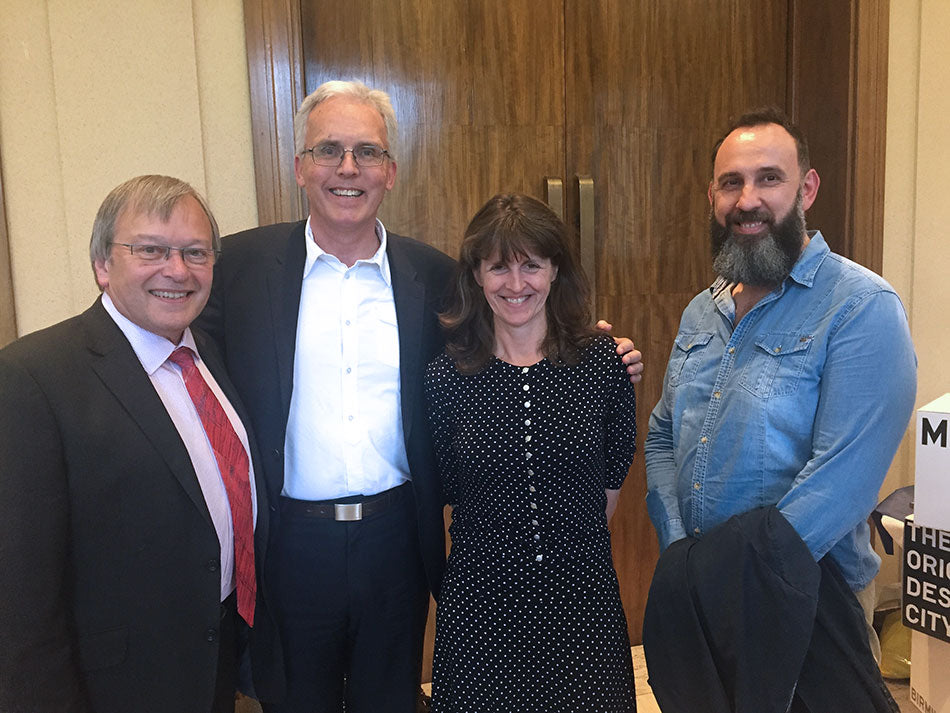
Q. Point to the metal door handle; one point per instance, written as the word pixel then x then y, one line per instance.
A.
pixel 554 195
pixel 585 203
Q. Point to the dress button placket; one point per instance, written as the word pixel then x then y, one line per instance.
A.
pixel 532 490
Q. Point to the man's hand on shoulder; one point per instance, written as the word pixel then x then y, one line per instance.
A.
pixel 625 348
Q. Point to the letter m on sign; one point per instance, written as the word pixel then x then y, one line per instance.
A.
pixel 933 433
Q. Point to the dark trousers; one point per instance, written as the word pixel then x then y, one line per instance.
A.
pixel 351 601
pixel 226 683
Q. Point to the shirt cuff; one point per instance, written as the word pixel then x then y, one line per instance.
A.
pixel 669 532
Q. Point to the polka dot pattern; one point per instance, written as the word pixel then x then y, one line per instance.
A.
pixel 529 617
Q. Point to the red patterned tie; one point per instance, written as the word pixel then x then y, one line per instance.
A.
pixel 233 464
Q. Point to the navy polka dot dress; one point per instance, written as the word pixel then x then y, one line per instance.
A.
pixel 529 617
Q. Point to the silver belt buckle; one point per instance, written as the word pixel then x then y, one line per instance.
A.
pixel 347 512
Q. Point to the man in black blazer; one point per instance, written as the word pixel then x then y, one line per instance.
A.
pixel 306 315
pixel 117 544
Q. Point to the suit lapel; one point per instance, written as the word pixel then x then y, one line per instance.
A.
pixel 410 295
pixel 118 367
pixel 284 285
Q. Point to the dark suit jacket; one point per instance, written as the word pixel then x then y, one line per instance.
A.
pixel 252 314
pixel 110 598
pixel 743 619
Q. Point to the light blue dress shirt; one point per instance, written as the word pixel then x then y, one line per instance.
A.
pixel 803 405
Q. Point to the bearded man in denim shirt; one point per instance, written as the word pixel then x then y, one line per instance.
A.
pixel 792 378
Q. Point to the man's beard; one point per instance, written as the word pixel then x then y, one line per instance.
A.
pixel 760 261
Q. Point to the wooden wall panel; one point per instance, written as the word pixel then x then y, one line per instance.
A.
pixel 819 102
pixel 866 239
pixel 275 69
pixel 838 95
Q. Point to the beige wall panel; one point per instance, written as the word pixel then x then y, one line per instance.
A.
pixel 932 211
pixel 901 164
pixel 126 103
pixel 96 92
pixel 900 192
pixel 225 113
pixel 33 190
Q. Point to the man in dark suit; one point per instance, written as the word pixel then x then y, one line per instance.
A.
pixel 127 492
pixel 306 315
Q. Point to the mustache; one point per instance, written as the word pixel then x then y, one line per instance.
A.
pixel 750 216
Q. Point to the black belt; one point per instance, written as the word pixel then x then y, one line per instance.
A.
pixel 344 510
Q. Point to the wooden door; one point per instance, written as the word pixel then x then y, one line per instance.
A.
pixel 650 87
pixel 496 95
pixel 478 88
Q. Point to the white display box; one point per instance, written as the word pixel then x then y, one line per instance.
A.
pixel 929 669
pixel 925 608
pixel 926 560
pixel 932 478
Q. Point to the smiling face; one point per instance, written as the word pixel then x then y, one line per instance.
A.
pixel 758 198
pixel 517 291
pixel 163 297
pixel 344 199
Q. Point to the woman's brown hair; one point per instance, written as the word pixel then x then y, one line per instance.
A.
pixel 510 225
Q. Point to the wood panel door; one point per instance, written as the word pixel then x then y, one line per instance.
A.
pixel 499 94
pixel 496 95
pixel 650 86
pixel 478 89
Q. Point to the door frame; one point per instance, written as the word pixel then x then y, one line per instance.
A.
pixel 275 68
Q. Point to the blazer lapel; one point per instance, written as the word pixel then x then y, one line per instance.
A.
pixel 409 294
pixel 284 285
pixel 120 370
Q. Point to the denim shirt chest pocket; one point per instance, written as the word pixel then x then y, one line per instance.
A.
pixel 685 359
pixel 776 364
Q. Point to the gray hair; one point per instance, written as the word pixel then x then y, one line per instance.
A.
pixel 148 195
pixel 354 89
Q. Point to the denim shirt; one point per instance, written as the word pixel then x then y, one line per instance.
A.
pixel 802 405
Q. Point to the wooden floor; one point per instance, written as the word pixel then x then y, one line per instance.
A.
pixel 646 703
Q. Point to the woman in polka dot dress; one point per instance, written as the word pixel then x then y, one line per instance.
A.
pixel 533 420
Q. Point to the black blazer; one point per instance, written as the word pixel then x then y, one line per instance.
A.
pixel 744 619
pixel 110 599
pixel 252 314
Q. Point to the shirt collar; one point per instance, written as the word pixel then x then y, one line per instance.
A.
pixel 380 258
pixel 151 349
pixel 803 271
pixel 805 268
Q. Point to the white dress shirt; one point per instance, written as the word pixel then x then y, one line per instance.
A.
pixel 344 432
pixel 153 352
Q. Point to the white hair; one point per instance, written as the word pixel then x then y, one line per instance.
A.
pixel 354 89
